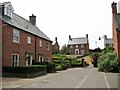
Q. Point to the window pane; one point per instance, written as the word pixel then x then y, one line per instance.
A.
pixel 15 35
pixel 40 43
pixel 29 40
pixel 15 61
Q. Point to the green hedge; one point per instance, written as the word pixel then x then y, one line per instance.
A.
pixel 24 71
pixel 76 63
pixel 60 65
pixel 50 66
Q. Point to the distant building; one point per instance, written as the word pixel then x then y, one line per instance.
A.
pixel 55 46
pixel 22 41
pixel 108 41
pixel 78 46
pixel 116 29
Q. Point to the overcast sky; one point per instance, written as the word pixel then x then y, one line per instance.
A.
pixel 61 18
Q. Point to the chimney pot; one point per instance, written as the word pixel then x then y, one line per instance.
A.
pixel 32 19
pixel 105 37
pixel 114 8
pixel 86 35
pixel 70 37
pixel 56 39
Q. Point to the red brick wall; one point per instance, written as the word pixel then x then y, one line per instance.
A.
pixel 85 48
pixel 55 47
pixel 43 50
pixel 116 39
pixel 9 47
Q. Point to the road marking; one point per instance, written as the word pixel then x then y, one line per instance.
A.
pixel 106 81
pixel 84 79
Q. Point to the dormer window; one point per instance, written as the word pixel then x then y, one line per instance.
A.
pixel 8 10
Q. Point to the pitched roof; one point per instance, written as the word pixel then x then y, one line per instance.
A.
pixel 23 24
pixel 73 41
pixel 117 21
pixel 109 41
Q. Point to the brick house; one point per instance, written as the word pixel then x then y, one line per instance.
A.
pixel 116 29
pixel 78 46
pixel 108 41
pixel 22 41
pixel 55 46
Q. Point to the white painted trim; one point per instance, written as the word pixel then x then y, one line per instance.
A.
pixel 18 58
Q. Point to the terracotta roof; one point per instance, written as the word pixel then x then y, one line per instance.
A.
pixel 23 24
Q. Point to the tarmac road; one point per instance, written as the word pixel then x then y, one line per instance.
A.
pixel 88 77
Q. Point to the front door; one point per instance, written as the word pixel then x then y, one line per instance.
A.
pixel 28 59
pixel 76 51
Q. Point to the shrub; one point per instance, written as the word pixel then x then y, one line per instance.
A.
pixel 76 63
pixel 108 63
pixel 50 66
pixel 25 71
pixel 58 67
pixel 57 61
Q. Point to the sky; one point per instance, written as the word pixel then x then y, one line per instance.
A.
pixel 61 18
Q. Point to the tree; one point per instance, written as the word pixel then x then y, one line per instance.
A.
pixel 64 49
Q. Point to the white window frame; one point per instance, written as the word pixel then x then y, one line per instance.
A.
pixel 16 36
pixel 82 46
pixel 29 40
pixel 71 46
pixel 48 45
pixel 82 52
pixel 40 43
pixel 40 58
pixel 76 46
pixel 8 10
pixel 15 62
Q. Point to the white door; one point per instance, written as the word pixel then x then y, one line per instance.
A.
pixel 40 58
pixel 76 51
pixel 28 59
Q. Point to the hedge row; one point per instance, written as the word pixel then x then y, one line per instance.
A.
pixel 50 66
pixel 24 71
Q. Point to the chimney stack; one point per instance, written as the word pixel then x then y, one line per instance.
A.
pixel 114 8
pixel 56 39
pixel 86 35
pixel 32 19
pixel 70 37
pixel 105 37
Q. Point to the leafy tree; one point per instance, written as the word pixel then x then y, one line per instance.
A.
pixel 64 49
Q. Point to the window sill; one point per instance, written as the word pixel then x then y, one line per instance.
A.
pixel 16 42
pixel 47 49
pixel 29 43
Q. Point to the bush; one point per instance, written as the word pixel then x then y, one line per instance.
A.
pixel 57 61
pixel 58 67
pixel 50 66
pixel 76 63
pixel 60 64
pixel 108 63
pixel 25 71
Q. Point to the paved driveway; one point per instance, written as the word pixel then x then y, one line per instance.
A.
pixel 72 78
